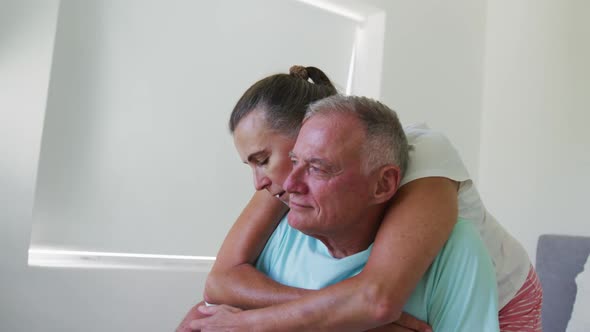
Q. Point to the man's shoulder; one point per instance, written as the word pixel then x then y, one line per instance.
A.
pixel 464 236
pixel 461 284
pixel 280 235
pixel 463 248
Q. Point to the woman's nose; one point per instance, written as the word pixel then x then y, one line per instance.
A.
pixel 261 181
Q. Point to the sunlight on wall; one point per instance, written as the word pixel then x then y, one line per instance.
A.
pixel 363 78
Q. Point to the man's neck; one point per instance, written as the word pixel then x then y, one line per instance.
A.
pixel 351 240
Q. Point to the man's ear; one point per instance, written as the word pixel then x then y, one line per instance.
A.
pixel 388 180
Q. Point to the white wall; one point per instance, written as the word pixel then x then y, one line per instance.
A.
pixel 433 67
pixel 432 71
pixel 37 299
pixel 535 141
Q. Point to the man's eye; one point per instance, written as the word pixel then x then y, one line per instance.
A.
pixel 294 162
pixel 262 162
pixel 314 169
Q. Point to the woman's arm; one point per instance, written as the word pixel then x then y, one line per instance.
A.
pixel 233 279
pixel 416 226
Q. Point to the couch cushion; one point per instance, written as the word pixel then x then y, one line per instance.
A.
pixel 560 258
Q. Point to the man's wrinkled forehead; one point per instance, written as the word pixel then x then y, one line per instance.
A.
pixel 328 135
pixel 314 134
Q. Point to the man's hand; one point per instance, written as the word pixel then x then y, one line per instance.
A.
pixel 218 318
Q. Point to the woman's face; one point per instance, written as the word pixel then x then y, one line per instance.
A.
pixel 266 152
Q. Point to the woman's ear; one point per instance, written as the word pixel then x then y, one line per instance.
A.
pixel 388 180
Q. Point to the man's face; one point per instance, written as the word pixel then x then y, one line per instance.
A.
pixel 328 188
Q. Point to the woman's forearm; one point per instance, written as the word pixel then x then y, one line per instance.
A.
pixel 247 288
pixel 248 235
pixel 415 228
pixel 233 280
pixel 341 307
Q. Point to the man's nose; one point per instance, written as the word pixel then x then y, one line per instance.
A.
pixel 294 182
pixel 261 181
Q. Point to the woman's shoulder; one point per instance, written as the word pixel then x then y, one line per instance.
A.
pixel 420 133
pixel 432 154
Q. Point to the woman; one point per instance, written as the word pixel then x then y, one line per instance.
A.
pixel 436 190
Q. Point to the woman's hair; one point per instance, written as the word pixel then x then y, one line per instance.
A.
pixel 283 98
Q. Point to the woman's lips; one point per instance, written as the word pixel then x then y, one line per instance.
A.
pixel 283 196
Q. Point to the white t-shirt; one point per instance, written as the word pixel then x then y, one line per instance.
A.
pixel 434 155
pixel 580 319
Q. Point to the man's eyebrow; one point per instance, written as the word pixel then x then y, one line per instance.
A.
pixel 314 160
pixel 254 156
pixel 321 162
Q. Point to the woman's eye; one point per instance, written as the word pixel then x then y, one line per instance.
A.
pixel 263 162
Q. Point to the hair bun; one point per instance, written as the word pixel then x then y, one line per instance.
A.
pixel 299 71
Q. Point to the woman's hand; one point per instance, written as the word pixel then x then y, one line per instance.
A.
pixel 191 315
pixel 406 322
pixel 219 318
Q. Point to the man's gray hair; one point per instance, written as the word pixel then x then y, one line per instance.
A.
pixel 386 142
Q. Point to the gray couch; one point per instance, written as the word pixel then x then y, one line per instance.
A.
pixel 560 258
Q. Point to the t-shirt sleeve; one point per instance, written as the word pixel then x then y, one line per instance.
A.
pixel 432 154
pixel 463 294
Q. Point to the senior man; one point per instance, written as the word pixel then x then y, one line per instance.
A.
pixel 347 164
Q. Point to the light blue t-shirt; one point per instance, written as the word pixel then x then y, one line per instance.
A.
pixel 457 292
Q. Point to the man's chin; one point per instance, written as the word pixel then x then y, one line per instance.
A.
pixel 300 226
pixel 297 221
pixel 293 219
